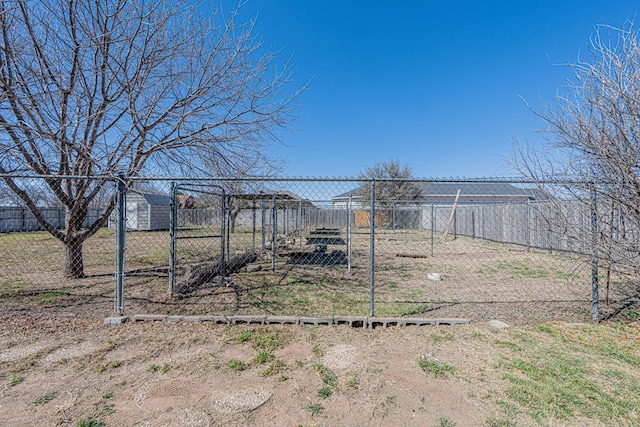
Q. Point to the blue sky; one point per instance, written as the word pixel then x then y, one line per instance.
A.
pixel 437 85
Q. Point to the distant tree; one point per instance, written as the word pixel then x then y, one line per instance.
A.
pixel 593 138
pixel 393 184
pixel 101 88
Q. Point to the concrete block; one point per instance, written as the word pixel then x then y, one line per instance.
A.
pixel 414 321
pixel 152 317
pixel 282 320
pixel 316 321
pixel 454 321
pixel 248 320
pixel 115 320
pixel 353 321
pixel 374 322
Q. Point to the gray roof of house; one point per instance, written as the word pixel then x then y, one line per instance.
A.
pixel 469 190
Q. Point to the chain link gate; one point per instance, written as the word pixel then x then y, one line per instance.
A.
pixel 198 244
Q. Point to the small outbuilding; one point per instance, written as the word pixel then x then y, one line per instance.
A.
pixel 146 211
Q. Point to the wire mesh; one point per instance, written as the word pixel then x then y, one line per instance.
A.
pixel 313 247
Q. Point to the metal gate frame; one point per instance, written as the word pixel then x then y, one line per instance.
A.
pixel 173 225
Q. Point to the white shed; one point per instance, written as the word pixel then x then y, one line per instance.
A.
pixel 146 211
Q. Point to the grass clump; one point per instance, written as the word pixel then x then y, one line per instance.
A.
pixel 436 368
pixel 237 365
pixel 89 422
pixel 314 408
pixel 41 400
pixel 15 379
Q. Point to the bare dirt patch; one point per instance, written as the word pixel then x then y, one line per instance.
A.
pixel 177 374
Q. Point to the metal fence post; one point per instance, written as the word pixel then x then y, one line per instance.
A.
pixel 262 225
pixel 433 225
pixel 595 315
pixel 224 236
pixel 121 228
pixel 372 240
pixel 349 235
pixel 173 225
pixel 528 225
pixel 300 221
pixel 274 231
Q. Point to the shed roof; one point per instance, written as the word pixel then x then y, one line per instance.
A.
pixel 156 198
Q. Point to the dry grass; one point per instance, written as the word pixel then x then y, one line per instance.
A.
pixel 481 280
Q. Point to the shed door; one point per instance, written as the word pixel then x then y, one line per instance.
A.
pixel 132 215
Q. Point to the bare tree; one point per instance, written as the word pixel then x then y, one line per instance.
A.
pixel 108 87
pixel 593 139
pixel 394 187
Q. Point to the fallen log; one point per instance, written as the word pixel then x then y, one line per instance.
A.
pixel 203 274
pixel 413 256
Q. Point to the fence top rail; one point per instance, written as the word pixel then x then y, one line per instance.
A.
pixel 456 180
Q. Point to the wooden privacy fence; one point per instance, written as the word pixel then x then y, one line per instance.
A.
pixel 13 219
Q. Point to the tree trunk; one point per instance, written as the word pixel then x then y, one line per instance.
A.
pixel 73 265
pixel 233 215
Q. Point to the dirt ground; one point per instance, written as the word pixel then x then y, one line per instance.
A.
pixel 180 374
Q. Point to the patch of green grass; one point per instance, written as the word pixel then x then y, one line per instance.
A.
pixel 435 368
pixel 89 422
pixel 50 297
pixel 275 367
pixel 15 379
pixel 237 365
pixel 41 400
pixel 314 408
pixel 262 357
pixel 439 337
pixel 327 376
pixel 352 383
pixel 325 392
pixel 444 422
pixel 108 410
pixel 508 344
pixel 558 378
pixel 495 422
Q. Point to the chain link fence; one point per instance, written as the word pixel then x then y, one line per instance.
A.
pixel 476 249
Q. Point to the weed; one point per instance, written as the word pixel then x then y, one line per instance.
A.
pixel 445 422
pixel 299 363
pixel 436 338
pixel 89 422
pixel 276 366
pixel 283 378
pixel 314 408
pixel 165 368
pixel 493 422
pixel 325 392
pixel 107 395
pixel 437 369
pixel 41 400
pixel 153 368
pixel 317 351
pixel 352 383
pixel 108 410
pixel 508 344
pixel 15 379
pixel 391 400
pixel 237 365
pixel 115 364
pixel 326 375
pixel 263 356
